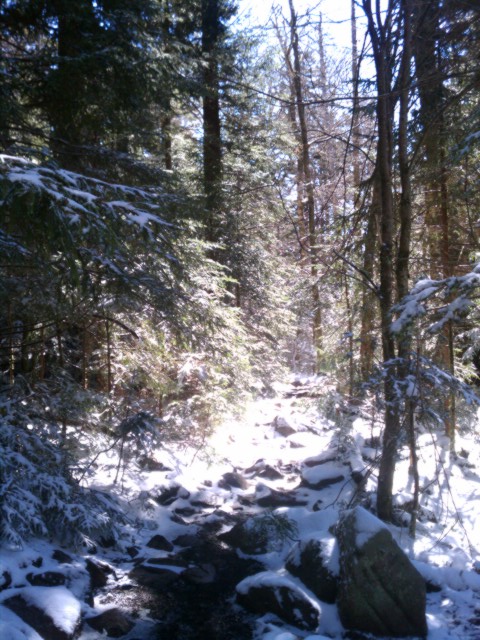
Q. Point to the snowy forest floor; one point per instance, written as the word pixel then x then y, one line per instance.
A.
pixel 270 454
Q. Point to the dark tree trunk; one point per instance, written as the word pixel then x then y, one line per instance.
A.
pixel 430 80
pixel 212 143
pixel 75 24
pixel 309 189
pixel 381 38
pixel 403 258
pixel 369 298
pixel 355 105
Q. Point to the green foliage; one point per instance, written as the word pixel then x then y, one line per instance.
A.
pixel 38 496
pixel 271 530
pixel 114 311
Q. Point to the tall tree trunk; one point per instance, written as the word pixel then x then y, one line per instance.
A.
pixel 309 190
pixel 380 36
pixel 85 356
pixel 73 26
pixel 166 120
pixel 369 298
pixel 355 105
pixel 11 347
pixel 109 356
pixel 348 306
pixel 430 80
pixel 301 228
pixel 166 127
pixel 212 144
pixel 403 258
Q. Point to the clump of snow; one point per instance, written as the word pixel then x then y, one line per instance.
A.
pixel 367 525
pixel 329 551
pixel 58 603
pixel 457 579
pixel 310 523
pixel 275 581
pixel 331 554
pixel 326 471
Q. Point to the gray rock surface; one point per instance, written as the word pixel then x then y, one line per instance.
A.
pixel 160 542
pixel 380 591
pixel 113 621
pixel 283 427
pixel 313 562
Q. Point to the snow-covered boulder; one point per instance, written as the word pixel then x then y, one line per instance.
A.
pixel 315 562
pixel 53 612
pixel 380 591
pixel 267 592
pixel 323 475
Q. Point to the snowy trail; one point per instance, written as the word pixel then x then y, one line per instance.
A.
pixel 286 461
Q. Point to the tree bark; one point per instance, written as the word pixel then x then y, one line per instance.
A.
pixel 109 356
pixel 309 190
pixel 74 27
pixel 430 80
pixel 212 144
pixel 404 242
pixel 299 174
pixel 355 105
pixel 369 299
pixel 380 36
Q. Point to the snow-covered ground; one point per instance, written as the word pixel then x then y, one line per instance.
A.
pixel 446 549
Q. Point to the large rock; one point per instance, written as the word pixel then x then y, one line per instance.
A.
pixel 283 427
pixel 268 592
pixel 160 542
pixel 233 479
pixel 98 572
pixel 158 573
pixel 168 495
pixel 315 562
pixel 275 498
pixel 113 622
pixel 380 591
pixel 52 611
pixel 46 579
